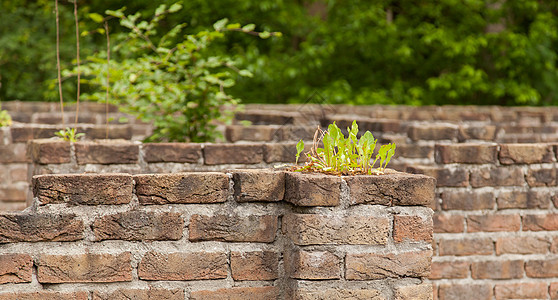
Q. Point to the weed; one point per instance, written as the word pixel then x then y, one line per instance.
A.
pixel 69 134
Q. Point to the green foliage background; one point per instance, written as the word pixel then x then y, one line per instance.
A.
pixel 352 51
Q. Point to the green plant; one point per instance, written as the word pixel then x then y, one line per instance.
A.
pixel 5 118
pixel 345 155
pixel 69 134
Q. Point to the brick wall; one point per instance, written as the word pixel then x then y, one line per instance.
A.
pixel 246 234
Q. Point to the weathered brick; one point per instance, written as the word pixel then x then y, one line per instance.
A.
pixel 305 189
pixel 183 266
pixel 541 177
pixel 444 177
pixel 98 132
pixel 18 173
pixel 49 151
pixel 25 227
pixel 493 223
pixel 449 270
pixel 367 266
pixel 497 176
pixel 432 132
pixel 172 152
pixel 309 229
pixel 392 189
pixel 412 228
pixel 13 193
pixel 255 265
pixel 415 151
pixel 467 200
pixel 84 268
pixel 258 185
pixel 484 132
pixel 468 291
pixel 466 154
pixel 139 226
pixel 140 294
pixel 313 265
pixel 238 293
pixel 525 154
pixel 522 245
pixel 466 246
pixel 523 290
pixel 233 228
pixel 44 295
pixel 553 290
pixel 15 268
pixel 282 152
pixel 546 222
pixel 447 223
pixel 421 291
pixel 253 133
pixel 219 154
pixel 22 134
pixel 542 268
pixel 13 153
pixel 341 293
pixel 507 269
pixel 206 187
pixel 83 189
pixel 523 200
pixel 107 152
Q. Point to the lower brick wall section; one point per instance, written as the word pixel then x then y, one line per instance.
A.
pixel 91 236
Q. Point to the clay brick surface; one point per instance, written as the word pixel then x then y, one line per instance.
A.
pixel 114 132
pixel 444 177
pixel 540 222
pixel 415 151
pixel 465 292
pixel 218 154
pixel 49 151
pixel 237 293
pixel 522 245
pixel 22 134
pixel 13 193
pixel 492 223
pixel 542 177
pixel 15 268
pixel 107 152
pixel 392 189
pixel 233 228
pixel 25 227
pixel 412 228
pixel 466 154
pixel 137 294
pixel 466 246
pixel 367 266
pixel 258 185
pixel 304 189
pixel 341 293
pixel 183 266
pixel 432 132
pixel 13 153
pixel 207 187
pixel 553 290
pixel 139 226
pixel 497 176
pixel 467 200
pixel 449 270
pixel 525 154
pixel 485 133
pixel 542 268
pixel 527 290
pixel 254 265
pixel 282 152
pixel 509 269
pixel 419 292
pixel 313 265
pixel 84 268
pixel 448 223
pixel 44 295
pixel 172 152
pixel 523 200
pixel 307 229
pixel 85 189
pixel 254 133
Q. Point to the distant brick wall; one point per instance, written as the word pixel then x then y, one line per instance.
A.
pixel 247 234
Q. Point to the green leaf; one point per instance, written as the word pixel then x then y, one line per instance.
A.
pixel 299 149
pixel 160 9
pixel 233 26
pixel 248 27
pixel 245 73
pixel 97 18
pixel 219 25
pixel 264 35
pixel 175 7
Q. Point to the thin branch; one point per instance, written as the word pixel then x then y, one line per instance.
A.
pixel 58 62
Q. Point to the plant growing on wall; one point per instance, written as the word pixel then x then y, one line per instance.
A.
pixel 342 155
pixel 5 118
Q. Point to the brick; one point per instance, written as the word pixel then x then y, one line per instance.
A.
pixel 305 189
pixel 84 268
pixel 447 223
pixel 44 295
pixel 99 132
pixel 553 290
pixel 467 200
pixel 466 154
pixel 369 266
pixel 449 270
pixel 522 245
pixel 466 246
pixel 541 177
pixel 49 151
pixel 262 117
pixel 493 223
pixel 525 154
pixel 220 154
pixel 415 151
pixel 139 226
pixel 341 293
pixel 253 133
pixel 444 177
pixel 233 228
pixel 109 152
pixel 282 152
pixel 421 291
pixel 554 245
pixel 523 200
pixel 467 291
pixel 83 189
pixel 497 176
pixel 412 228
pixel 18 173
pixel 313 265
pixel 238 293
pixel 258 185
pixel 542 268
pixel 392 189
pixel 524 290
pixel 295 132
pixel 183 266
pixel 22 134
pixel 507 269
pixel 13 153
pixel 13 193
pixel 15 268
pixel 207 187
pixel 484 132
pixel 309 229
pixel 172 152
pixel 140 294
pixel 432 132
pixel 254 265
pixel 25 227
pixel 543 222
